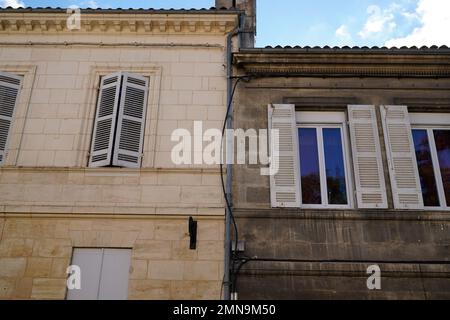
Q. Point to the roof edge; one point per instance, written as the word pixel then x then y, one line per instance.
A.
pixel 345 50
pixel 212 10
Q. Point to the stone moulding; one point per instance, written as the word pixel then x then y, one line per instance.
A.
pixel 394 269
pixel 142 23
pixel 354 65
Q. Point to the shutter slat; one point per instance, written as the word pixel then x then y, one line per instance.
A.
pixel 403 169
pixel 285 185
pixel 105 121
pixel 367 163
pixel 131 121
pixel 9 94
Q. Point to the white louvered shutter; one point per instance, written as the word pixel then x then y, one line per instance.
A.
pixel 9 95
pixel 366 153
pixel 285 185
pixel 131 121
pixel 105 121
pixel 403 170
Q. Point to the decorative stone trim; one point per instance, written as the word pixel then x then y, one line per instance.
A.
pixel 28 71
pixel 153 72
pixel 349 70
pixel 141 23
pixel 358 65
pixel 440 269
pixel 332 215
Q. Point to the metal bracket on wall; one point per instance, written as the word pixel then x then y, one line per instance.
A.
pixel 239 248
pixel 192 234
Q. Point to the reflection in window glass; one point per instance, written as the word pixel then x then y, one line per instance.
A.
pixel 309 166
pixel 426 171
pixel 334 166
pixel 442 139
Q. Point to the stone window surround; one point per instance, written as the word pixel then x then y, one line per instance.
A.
pixel 98 70
pixel 28 71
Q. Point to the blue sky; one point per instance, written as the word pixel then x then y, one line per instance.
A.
pixel 318 22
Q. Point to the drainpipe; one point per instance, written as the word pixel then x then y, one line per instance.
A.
pixel 229 146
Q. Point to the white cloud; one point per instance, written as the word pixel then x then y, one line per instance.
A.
pixel 11 3
pixel 343 33
pixel 91 4
pixel 434 17
pixel 85 4
pixel 379 21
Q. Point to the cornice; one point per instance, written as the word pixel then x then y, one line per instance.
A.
pixel 357 214
pixel 109 171
pixel 123 22
pixel 346 65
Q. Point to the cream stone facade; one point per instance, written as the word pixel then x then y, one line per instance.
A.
pixel 52 202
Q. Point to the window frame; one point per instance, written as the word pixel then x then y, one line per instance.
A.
pixel 436 165
pixel 148 69
pixel 431 122
pixel 329 120
pixel 11 119
pixel 27 72
pixel 120 105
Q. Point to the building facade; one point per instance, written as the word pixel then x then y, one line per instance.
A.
pixel 363 183
pixel 86 174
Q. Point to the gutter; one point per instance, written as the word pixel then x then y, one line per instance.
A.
pixel 229 181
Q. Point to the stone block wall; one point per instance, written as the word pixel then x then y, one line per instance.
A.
pixel 324 254
pixel 36 251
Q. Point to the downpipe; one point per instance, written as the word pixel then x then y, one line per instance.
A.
pixel 229 146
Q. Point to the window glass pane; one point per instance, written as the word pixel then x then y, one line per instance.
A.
pixel 334 166
pixel 309 166
pixel 442 138
pixel 425 165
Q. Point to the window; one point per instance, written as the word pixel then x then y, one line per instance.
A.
pixel 104 274
pixel 432 147
pixel 322 167
pixel 418 151
pixel 324 178
pixel 9 92
pixel 120 121
pixel 314 159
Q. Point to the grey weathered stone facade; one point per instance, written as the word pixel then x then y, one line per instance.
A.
pixel 324 254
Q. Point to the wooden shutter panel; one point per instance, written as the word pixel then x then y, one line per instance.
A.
pixel 366 153
pixel 285 185
pixel 105 121
pixel 403 170
pixel 9 95
pixel 131 121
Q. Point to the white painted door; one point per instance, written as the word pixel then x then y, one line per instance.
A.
pixel 104 274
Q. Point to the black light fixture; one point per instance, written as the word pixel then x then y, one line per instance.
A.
pixel 192 234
